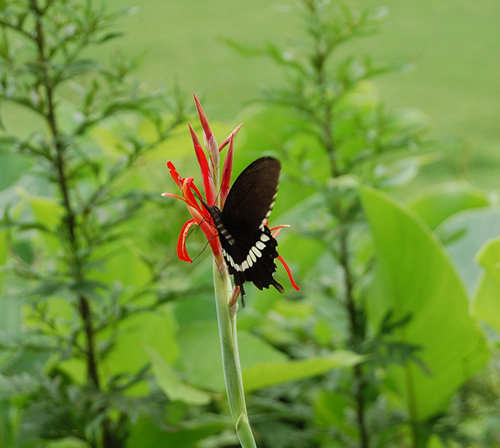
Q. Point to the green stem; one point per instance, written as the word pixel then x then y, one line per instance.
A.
pixel 230 358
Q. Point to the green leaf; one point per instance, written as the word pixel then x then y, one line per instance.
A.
pixel 145 434
pixel 402 171
pixel 272 373
pixel 47 211
pixel 121 263
pixel 486 302
pixel 68 442
pixel 200 354
pixel 155 330
pixel 465 233
pixel 109 141
pixel 437 203
pixel 415 277
pixel 435 442
pixel 12 166
pixel 330 409
pixel 173 387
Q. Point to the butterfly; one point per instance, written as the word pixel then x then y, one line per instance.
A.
pixel 248 247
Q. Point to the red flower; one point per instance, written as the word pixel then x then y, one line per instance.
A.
pixel 209 166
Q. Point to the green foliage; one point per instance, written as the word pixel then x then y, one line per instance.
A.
pixel 464 235
pixel 486 300
pixel 425 287
pixel 436 204
pixel 82 287
pixel 376 279
pixel 271 373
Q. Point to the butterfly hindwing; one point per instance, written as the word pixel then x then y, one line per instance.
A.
pixel 251 257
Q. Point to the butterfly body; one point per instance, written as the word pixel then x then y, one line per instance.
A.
pixel 248 247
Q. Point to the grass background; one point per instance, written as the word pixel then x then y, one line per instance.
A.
pixel 455 43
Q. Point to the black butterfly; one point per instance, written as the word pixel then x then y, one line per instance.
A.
pixel 248 247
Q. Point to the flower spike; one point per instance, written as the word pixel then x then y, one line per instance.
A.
pixel 197 206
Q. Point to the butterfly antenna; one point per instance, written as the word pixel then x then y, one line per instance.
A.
pixel 203 250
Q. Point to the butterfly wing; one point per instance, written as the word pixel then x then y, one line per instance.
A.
pixel 248 246
pixel 251 198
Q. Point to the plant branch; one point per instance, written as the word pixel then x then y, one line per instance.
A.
pixel 84 307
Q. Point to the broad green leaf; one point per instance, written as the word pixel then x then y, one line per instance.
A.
pixel 145 434
pixel 193 309
pixel 331 410
pixel 437 203
pixel 464 234
pixel 173 387
pixel 12 166
pixel 67 442
pixel 47 211
pixel 402 171
pixel 486 302
pixel 322 332
pixel 109 141
pixel 435 442
pixel 271 373
pixel 75 368
pixel 149 329
pixel 415 277
pixel 200 354
pixel 120 263
pixel 298 310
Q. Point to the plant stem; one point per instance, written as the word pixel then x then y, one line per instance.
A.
pixel 357 335
pixel 84 307
pixel 83 304
pixel 325 123
pixel 230 357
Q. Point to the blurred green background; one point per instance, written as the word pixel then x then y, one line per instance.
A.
pixel 454 44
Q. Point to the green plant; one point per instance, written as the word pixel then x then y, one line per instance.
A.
pixel 367 258
pixel 78 276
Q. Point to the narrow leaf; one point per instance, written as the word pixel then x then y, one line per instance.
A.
pixel 173 387
pixel 272 373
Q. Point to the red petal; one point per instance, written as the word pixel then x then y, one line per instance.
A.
pixel 292 281
pixel 193 187
pixel 203 119
pixel 276 230
pixel 181 242
pixel 194 137
pixel 175 175
pixel 233 134
pixel 171 195
pixel 208 183
pixel 226 173
pixel 187 192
